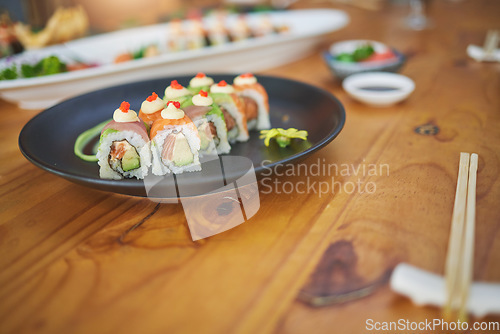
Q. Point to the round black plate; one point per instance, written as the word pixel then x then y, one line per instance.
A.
pixel 47 140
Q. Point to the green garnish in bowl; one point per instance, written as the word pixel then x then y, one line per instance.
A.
pixel 283 137
pixel 361 53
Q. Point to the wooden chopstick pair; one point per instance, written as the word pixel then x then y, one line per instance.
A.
pixel 459 268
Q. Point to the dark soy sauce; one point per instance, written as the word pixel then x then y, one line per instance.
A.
pixel 379 88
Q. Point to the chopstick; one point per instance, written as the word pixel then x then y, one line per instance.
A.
pixel 460 256
pixel 468 250
pixel 491 42
pixel 457 226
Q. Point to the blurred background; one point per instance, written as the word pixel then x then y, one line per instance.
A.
pixel 39 23
pixel 107 15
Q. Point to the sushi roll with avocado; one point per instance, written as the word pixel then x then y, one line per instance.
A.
pixel 210 122
pixel 217 33
pixel 232 108
pixel 124 146
pixel 255 101
pixel 200 82
pixel 196 36
pixel 264 27
pixel 177 92
pixel 240 31
pixel 175 142
pixel 151 109
pixel 176 37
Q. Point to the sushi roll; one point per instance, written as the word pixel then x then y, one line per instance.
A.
pixel 217 34
pixel 240 31
pixel 210 122
pixel 124 146
pixel 255 100
pixel 265 27
pixel 196 37
pixel 200 82
pixel 232 108
pixel 151 109
pixel 177 92
pixel 176 36
pixel 175 142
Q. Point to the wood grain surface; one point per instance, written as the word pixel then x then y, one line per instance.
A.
pixel 77 260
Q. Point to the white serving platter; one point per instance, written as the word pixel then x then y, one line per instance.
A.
pixel 306 30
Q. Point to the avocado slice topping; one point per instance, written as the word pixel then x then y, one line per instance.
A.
pixel 130 160
pixel 182 154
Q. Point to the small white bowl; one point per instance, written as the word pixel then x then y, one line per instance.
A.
pixel 380 89
pixel 341 69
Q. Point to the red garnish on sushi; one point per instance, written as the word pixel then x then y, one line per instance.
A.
pixel 176 104
pixel 246 75
pixel 124 107
pixel 223 83
pixel 203 93
pixel 175 84
pixel 152 97
pixel 200 75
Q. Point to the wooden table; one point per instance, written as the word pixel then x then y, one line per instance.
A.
pixel 77 260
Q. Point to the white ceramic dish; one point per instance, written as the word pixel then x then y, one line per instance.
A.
pixel 306 29
pixel 351 45
pixel 478 54
pixel 378 89
pixel 342 69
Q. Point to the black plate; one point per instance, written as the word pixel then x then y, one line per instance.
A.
pixel 47 140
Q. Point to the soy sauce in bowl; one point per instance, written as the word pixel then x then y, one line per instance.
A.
pixel 378 89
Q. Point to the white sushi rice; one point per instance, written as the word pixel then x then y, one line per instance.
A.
pixel 202 125
pixel 134 139
pixel 263 121
pixel 239 134
pixel 252 124
pixel 162 166
pixel 223 145
pixel 232 134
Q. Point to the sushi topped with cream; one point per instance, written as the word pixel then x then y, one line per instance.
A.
pixel 264 27
pixel 240 30
pixel 124 150
pixel 211 123
pixel 218 34
pixel 200 82
pixel 196 36
pixel 151 109
pixel 176 92
pixel 232 107
pixel 176 36
pixel 175 142
pixel 255 100
pixel 171 134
